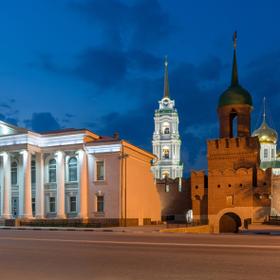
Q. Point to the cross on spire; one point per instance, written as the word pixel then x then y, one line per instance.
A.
pixel 264 113
pixel 234 75
pixel 166 84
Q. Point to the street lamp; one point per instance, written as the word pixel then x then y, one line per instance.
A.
pixel 123 158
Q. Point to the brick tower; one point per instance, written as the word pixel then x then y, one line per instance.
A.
pixel 236 191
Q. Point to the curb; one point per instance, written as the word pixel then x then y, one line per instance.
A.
pixel 117 230
pixel 59 229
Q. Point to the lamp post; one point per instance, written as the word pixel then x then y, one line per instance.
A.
pixel 123 158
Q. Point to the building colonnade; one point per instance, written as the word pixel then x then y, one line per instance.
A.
pixel 32 183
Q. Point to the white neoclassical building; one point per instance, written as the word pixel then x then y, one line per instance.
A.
pixel 74 174
pixel 166 138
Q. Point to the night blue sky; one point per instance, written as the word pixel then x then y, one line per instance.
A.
pixel 99 64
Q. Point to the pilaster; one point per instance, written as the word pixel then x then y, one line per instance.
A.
pixel 83 180
pixel 60 175
pixel 26 198
pixel 40 193
pixel 7 208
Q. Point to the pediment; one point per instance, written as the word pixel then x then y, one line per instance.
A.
pixel 9 129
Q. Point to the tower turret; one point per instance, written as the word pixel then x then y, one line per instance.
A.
pixel 235 105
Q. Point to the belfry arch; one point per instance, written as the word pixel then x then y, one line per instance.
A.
pixel 233 124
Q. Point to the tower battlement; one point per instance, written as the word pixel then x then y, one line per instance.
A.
pixel 232 145
pixel 241 152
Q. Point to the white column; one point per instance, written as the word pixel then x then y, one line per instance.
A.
pixel 26 197
pixel 7 192
pixel 83 188
pixel 40 190
pixel 60 175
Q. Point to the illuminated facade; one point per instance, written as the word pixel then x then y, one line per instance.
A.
pixel 268 145
pixel 236 190
pixel 166 139
pixel 75 174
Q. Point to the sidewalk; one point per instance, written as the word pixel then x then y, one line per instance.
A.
pixel 138 229
pixel 262 229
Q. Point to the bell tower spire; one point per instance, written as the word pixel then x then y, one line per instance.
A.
pixel 166 138
pixel 234 75
pixel 166 83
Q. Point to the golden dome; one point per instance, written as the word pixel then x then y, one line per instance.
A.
pixel 266 134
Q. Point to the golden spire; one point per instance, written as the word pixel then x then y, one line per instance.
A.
pixel 265 133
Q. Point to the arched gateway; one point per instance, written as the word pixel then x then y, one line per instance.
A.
pixel 229 222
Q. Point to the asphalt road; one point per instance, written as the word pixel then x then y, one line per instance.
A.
pixel 103 255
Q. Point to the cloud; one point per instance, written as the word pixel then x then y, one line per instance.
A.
pixel 103 67
pixel 69 116
pixel 8 112
pixel 263 75
pixel 138 24
pixel 210 69
pixel 5 105
pixel 9 120
pixel 41 122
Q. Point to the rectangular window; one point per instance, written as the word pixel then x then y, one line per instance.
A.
pixel 100 171
pixel 52 205
pixel 272 153
pixel 15 207
pixel 167 188
pixel 229 200
pixel 33 206
pixel 265 153
pixel 73 204
pixel 73 176
pixel 100 204
pixel 52 175
pixel 33 172
pixel 14 177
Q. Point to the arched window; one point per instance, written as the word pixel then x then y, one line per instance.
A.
pixel 166 153
pixel 72 170
pixel 233 124
pixel 165 128
pixel 165 174
pixel 52 171
pixel 14 171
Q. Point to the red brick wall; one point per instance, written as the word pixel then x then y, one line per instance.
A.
pixel 174 203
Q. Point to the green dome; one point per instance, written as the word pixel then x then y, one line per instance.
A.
pixel 235 94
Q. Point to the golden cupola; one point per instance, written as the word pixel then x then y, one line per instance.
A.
pixel 265 133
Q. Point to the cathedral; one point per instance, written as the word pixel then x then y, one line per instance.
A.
pixel 241 185
pixel 268 141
